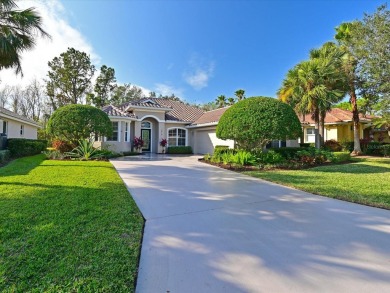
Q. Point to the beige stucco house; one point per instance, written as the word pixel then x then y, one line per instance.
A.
pixel 155 119
pixel 14 125
pixel 339 127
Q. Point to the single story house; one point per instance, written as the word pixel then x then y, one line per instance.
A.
pixel 14 125
pixel 339 127
pixel 154 119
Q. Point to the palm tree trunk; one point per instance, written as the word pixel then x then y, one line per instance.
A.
pixel 316 129
pixel 356 127
pixel 322 129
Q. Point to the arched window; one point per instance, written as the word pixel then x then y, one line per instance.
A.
pixel 145 124
pixel 177 137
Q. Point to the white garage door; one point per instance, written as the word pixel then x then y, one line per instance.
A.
pixel 206 141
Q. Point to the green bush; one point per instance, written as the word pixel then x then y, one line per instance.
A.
pixel 255 121
pixel 347 146
pixel 313 156
pixel 333 145
pixel 71 123
pixel 270 158
pixel 305 144
pixel 5 155
pixel 289 153
pixel 243 158
pixel 339 157
pixel 179 150
pixel 372 148
pixel 220 147
pixel 385 150
pixel 21 147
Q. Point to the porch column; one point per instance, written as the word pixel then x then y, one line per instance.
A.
pixel 161 134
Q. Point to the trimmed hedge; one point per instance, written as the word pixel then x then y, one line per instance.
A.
pixel 339 157
pixel 179 150
pixel 21 147
pixel 386 150
pixel 5 155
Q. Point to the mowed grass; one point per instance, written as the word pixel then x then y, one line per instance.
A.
pixel 365 181
pixel 67 226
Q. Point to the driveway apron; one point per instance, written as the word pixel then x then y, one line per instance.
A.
pixel 212 230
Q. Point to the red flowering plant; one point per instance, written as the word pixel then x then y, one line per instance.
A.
pixel 138 142
pixel 163 142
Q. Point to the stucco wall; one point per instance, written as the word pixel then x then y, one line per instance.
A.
pixel 205 139
pixel 13 131
pixel 141 114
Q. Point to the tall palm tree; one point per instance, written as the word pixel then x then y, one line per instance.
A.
pixel 18 30
pixel 349 66
pixel 221 101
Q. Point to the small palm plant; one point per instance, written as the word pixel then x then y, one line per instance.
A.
pixel 85 151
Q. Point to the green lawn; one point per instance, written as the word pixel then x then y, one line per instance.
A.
pixel 67 226
pixel 366 181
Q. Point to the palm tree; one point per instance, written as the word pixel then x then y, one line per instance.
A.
pixel 18 29
pixel 240 94
pixel 221 101
pixel 231 101
pixel 310 87
pixel 349 66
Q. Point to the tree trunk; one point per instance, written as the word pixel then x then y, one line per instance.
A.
pixel 316 129
pixel 356 127
pixel 321 129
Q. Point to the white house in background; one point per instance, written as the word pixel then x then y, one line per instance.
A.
pixel 155 119
pixel 14 125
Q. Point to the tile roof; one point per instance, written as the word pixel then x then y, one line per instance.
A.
pixel 111 110
pixel 180 111
pixel 17 116
pixel 336 115
pixel 175 110
pixel 210 116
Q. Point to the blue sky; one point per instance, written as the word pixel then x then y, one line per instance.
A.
pixel 198 49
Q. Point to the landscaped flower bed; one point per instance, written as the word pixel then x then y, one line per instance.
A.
pixel 283 158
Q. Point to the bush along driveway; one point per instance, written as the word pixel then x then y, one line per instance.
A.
pixel 67 226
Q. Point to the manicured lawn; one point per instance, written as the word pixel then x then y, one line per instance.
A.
pixel 366 181
pixel 67 226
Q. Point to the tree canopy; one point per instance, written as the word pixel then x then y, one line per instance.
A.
pixel 256 121
pixel 70 77
pixel 74 122
pixel 17 33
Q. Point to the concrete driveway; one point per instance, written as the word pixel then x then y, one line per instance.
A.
pixel 212 230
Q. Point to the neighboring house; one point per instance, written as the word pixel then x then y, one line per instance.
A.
pixel 154 119
pixel 17 126
pixel 339 126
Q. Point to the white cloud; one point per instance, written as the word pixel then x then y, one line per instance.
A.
pixel 34 62
pixel 167 90
pixel 199 73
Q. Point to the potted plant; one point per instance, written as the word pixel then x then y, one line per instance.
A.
pixel 163 143
pixel 138 144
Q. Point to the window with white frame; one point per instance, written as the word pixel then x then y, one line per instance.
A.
pixel 115 132
pixel 177 137
pixel 310 135
pixel 5 127
pixel 127 131
pixel 21 130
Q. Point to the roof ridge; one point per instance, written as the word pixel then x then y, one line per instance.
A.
pixel 216 109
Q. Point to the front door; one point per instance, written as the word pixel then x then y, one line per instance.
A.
pixel 146 135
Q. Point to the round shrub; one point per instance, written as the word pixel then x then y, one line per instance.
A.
pixel 256 121
pixel 74 122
